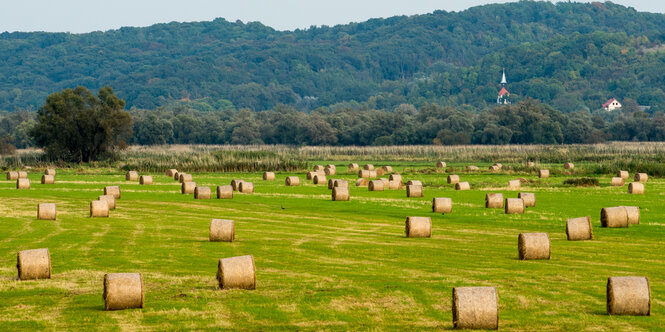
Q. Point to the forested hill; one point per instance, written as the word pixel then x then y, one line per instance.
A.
pixel 572 56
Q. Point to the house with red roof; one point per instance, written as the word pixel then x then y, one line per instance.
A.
pixel 611 104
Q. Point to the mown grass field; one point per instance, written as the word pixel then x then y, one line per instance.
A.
pixel 324 265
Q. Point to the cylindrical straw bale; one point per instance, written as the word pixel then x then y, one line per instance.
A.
pixel 462 186
pixel 145 179
pixel 618 182
pixel 184 177
pixel 187 188
pixel 132 176
pixel 514 205
pixel 171 172
pixel 340 183
pixel 633 213
pixel 46 211
pixel 292 181
pixel 340 194
pixel 331 166
pixel 318 168
pixel 475 308
pixel 331 183
pixel 353 167
pixel 442 205
pixel 472 168
pixel 48 179
pixel 12 176
pixel 237 272
pixel 528 198
pixel 310 175
pixel 533 246
pixel 623 174
pixel 49 171
pixel 641 177
pixel 499 165
pixel 494 201
pixel 23 183
pixel 628 296
pixel 112 190
pixel 362 183
pixel 99 208
pixel 530 164
pixel 246 187
pixel 176 176
pixel 202 193
pixel 22 175
pixel 494 168
pixel 414 191
pixel 363 174
pixel 235 184
pixel 395 177
pixel 319 179
pixel 385 181
pixel 110 200
pixel 514 184
pixel 636 188
pixel 380 171
pixel 224 192
pixel 614 217
pixel 453 179
pixel 441 164
pixel 34 264
pixel 387 169
pixel 418 227
pixel 544 173
pixel 414 183
pixel 376 185
pixel 394 185
pixel 123 291
pixel 368 167
pixel 222 230
pixel 330 171
pixel 579 229
pixel 568 166
pixel 268 176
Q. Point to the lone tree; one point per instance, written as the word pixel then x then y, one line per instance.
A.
pixel 75 125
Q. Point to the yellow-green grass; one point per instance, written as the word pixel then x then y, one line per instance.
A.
pixel 322 264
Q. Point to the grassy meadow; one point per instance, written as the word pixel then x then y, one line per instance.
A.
pixel 325 265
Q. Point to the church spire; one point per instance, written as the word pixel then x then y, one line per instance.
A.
pixel 503 78
pixel 504 96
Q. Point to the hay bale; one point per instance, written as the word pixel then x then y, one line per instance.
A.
pixel 202 193
pixel 618 182
pixel 472 168
pixel 462 186
pixel 528 198
pixel 340 183
pixel 636 188
pixel 310 175
pixel 385 181
pixel 494 201
pixel 453 179
pixel 236 184
pixel 414 191
pixel 112 190
pixel 145 179
pixel 579 229
pixel 514 206
pixel 623 174
pixel 340 194
pixel 33 264
pixel 23 183
pixel 363 174
pixel 329 171
pixel 633 214
pixel 475 308
pixel 641 177
pixel 318 168
pixel 395 177
pixel 222 230
pixel 418 227
pixel 110 200
pixel 319 179
pixel 246 187
pixel 123 291
pixel 176 176
pixel 331 166
pixel 376 185
pixel 22 175
pixel 387 169
pixel 49 171
pixel 184 177
pixel 494 168
pixel 394 185
pixel 331 183
pixel 292 181
pixel 362 183
pixel 187 188
pixel 99 208
pixel 514 184
pixel 237 272
pixel 268 176
pixel 441 164
pixel 628 296
pixel 533 246
pixel 46 211
pixel 614 217
pixel 380 171
pixel 414 183
pixel 499 165
pixel 171 172
pixel 544 173
pixel 353 167
pixel 442 205
pixel 132 176
pixel 368 167
pixel 224 192
pixel 568 166
pixel 48 179
pixel 530 164
pixel 12 176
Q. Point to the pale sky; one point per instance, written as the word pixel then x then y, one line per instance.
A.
pixel 79 16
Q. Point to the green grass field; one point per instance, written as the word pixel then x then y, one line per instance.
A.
pixel 324 265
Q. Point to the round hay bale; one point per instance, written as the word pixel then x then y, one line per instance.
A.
pixel 246 187
pixel 184 177
pixel 222 230
pixel 176 176
pixel 318 168
pixel 636 188
pixel 362 183
pixel 623 174
pixel 331 183
pixel 414 191
pixel 641 177
pixel 340 183
pixel 202 193
pixel 441 164
pixel 514 206
pixel 187 188
pixel 237 272
pixel 363 174
pixel 395 177
pixel 544 173
pixel 568 166
pixel 614 217
pixel 235 184
pixel 499 165
pixel 418 227
pixel 110 200
pixel 514 184
pixel 123 291
pixel 132 176
pixel 385 181
pixel 23 183
pixel 579 229
pixel 376 185
pixel 442 205
pixel 530 164
pixel 171 172
pixel 462 186
pixel 319 179
pixel 618 182
pixel 49 171
pixel 453 179
pixel 112 190
pixel 224 192
pixel 394 185
pixel 330 171
pixel 368 167
pixel 340 194
pixel 387 169
pixel 268 176
pixel 145 179
pixel 22 175
pixel 331 166
pixel 380 171
pixel 472 168
pixel 414 183
pixel 292 181
pixel 99 209
pixel 48 179
pixel 475 308
pixel 533 246
pixel 628 296
pixel 528 198
pixel 12 176
pixel 310 175
pixel 494 201
pixel 633 214
pixel 33 264
pixel 494 168
pixel 353 167
pixel 46 211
